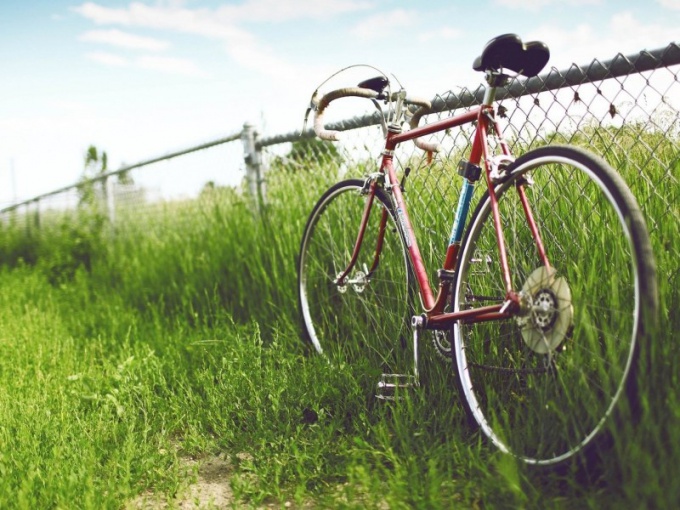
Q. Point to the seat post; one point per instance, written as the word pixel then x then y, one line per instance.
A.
pixel 495 79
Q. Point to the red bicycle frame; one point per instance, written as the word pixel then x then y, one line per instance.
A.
pixel 434 305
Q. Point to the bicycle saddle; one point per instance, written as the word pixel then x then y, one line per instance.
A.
pixel 510 52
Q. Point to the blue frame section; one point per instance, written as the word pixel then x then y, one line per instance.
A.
pixel 461 212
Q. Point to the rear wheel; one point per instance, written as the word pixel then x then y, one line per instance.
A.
pixel 365 318
pixel 542 383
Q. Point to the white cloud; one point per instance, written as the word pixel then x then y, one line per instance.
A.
pixel 261 60
pixel 670 4
pixel 278 10
pixel 169 65
pixel 639 36
pixel 445 33
pixel 122 39
pixel 384 24
pixel 173 18
pixel 584 43
pixel 203 22
pixel 103 15
pixel 108 59
pixel 534 5
pixel 219 24
pixel 524 4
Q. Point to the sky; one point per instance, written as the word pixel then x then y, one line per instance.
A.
pixel 144 78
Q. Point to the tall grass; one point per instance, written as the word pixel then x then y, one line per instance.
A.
pixel 176 336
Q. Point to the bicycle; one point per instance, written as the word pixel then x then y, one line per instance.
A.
pixel 543 296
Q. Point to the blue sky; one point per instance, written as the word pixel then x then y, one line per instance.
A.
pixel 139 79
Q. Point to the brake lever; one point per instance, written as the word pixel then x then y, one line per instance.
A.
pixel 313 104
pixel 383 124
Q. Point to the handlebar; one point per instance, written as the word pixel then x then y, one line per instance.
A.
pixel 329 134
pixel 333 135
pixel 413 123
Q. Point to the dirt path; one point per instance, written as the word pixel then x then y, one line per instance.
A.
pixel 210 490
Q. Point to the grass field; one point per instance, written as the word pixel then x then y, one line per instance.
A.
pixel 127 356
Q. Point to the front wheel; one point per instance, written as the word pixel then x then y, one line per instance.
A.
pixel 363 319
pixel 542 384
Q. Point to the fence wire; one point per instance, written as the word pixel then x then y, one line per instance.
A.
pixel 626 109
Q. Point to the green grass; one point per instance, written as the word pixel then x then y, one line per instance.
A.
pixel 176 336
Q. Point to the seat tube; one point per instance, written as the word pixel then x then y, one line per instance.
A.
pixel 464 199
pixel 495 212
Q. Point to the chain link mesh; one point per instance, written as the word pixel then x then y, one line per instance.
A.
pixel 626 110
pixel 631 119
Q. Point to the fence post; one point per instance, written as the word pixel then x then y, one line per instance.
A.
pixel 253 158
pixel 32 218
pixel 27 218
pixel 110 193
pixel 36 218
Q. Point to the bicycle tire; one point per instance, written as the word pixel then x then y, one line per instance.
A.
pixel 365 321
pixel 542 386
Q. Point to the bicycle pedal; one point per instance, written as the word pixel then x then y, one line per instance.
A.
pixel 390 385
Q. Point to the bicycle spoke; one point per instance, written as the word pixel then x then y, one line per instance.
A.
pixel 360 319
pixel 540 392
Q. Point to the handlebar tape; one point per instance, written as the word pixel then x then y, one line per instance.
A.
pixel 422 144
pixel 330 134
pixel 333 135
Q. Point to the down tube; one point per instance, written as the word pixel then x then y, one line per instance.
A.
pixel 426 295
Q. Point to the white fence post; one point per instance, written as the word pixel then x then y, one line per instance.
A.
pixel 110 193
pixel 253 158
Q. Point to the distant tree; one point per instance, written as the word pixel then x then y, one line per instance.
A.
pixel 306 154
pixel 82 237
pixel 315 149
pixel 96 164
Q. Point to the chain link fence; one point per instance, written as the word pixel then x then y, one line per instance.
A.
pixel 625 109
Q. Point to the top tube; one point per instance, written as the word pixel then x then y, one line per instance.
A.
pixel 435 127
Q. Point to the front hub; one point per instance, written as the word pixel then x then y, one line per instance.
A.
pixel 358 281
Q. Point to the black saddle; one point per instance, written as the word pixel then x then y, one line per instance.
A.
pixel 509 52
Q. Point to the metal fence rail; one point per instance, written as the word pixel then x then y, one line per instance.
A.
pixel 629 104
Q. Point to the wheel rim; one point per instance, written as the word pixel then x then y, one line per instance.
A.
pixel 363 318
pixel 545 406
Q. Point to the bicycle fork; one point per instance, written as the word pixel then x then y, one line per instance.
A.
pixel 390 384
